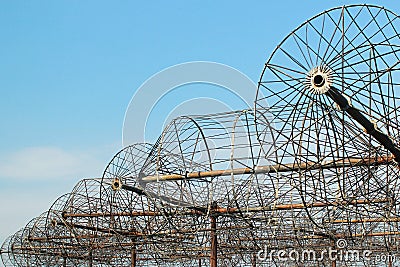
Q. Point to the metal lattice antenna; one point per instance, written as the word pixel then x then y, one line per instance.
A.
pixel 315 163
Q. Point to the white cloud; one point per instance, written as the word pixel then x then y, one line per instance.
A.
pixel 31 179
pixel 43 163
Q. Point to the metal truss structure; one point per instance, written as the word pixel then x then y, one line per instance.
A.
pixel 315 165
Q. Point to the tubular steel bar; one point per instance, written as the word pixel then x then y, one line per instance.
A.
pixel 370 127
pixel 111 214
pixel 352 162
pixel 367 220
pixel 219 210
pixel 214 239
pixel 90 258
pixel 133 256
pixel 302 206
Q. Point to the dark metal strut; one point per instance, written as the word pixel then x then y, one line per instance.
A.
pixel 370 127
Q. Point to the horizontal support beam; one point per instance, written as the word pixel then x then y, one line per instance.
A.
pixel 317 237
pixel 169 233
pixel 367 220
pixel 287 237
pixel 44 251
pixel 50 238
pixel 94 229
pixel 227 210
pixel 113 214
pixel 270 169
pixel 219 212
pixel 301 206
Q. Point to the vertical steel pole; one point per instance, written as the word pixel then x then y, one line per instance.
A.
pixel 91 258
pixel 133 256
pixel 254 261
pixel 333 246
pixel 214 237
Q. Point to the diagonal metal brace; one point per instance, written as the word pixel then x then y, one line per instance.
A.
pixel 382 138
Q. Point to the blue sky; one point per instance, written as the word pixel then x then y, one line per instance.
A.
pixel 68 70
